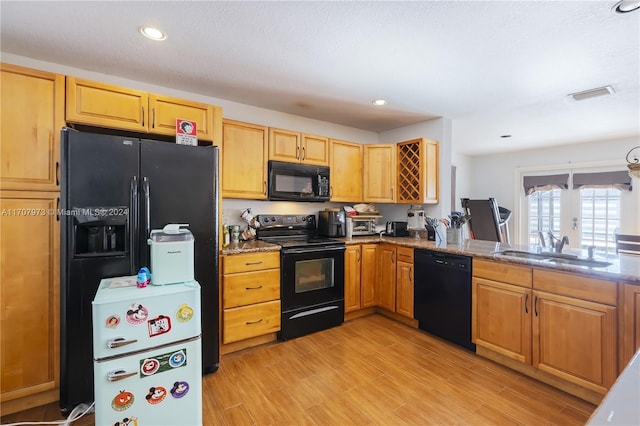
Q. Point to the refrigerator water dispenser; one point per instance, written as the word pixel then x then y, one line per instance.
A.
pixel 99 234
pixel 172 256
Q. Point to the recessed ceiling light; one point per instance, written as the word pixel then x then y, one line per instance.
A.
pixel 379 102
pixel 153 33
pixel 626 6
pixel 592 93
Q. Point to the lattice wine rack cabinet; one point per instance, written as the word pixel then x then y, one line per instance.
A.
pixel 418 171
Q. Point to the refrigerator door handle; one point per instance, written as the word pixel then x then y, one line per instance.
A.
pixel 114 376
pixel 147 206
pixel 119 341
pixel 133 223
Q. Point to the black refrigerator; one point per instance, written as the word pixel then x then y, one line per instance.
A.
pixel 114 191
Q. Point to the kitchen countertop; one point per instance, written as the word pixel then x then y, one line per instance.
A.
pixel 623 268
pixel 620 406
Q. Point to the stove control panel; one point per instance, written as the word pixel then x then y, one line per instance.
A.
pixel 286 220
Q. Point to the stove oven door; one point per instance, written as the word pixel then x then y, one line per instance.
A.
pixel 311 290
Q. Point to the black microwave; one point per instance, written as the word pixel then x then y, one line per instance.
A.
pixel 298 182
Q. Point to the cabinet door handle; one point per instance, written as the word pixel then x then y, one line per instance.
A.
pixel 331 191
pixel 254 322
pixel 297 152
pixel 153 119
pixel 57 173
pixel 142 107
pixel 253 288
pixel 303 155
pixel 264 187
pixel 526 303
pixel 410 274
pixel 57 209
pixel 535 305
pixel 358 256
pixel 393 256
pixel 253 263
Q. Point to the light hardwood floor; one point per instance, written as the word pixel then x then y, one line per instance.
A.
pixel 369 371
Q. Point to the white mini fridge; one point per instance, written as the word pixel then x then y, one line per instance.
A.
pixel 147 353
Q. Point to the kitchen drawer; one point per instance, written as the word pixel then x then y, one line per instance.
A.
pixel 404 254
pixel 250 287
pixel 578 286
pixel 250 321
pixel 503 272
pixel 250 262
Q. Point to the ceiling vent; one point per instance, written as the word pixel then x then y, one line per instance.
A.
pixel 592 93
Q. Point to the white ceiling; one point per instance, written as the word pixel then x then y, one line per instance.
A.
pixel 493 67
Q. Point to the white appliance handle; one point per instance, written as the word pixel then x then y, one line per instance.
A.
pixel 115 375
pixel 119 341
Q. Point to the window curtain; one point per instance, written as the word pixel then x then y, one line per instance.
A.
pixel 545 183
pixel 617 180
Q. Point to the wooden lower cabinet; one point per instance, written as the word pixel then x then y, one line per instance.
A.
pixel 500 318
pixel 29 299
pixel 250 295
pixel 404 281
pixel 562 326
pixel 359 277
pixel 386 288
pixel 352 274
pixel 630 336
pixel 368 294
pixel 575 340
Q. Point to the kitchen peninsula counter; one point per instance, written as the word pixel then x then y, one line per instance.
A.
pixel 622 268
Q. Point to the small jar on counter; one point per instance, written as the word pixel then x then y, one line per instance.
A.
pixel 235 233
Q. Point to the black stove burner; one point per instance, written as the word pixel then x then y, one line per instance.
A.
pixel 305 241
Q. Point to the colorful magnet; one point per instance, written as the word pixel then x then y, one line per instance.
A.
pixel 159 325
pixel 179 389
pixel 113 321
pixel 122 401
pixel 149 366
pixel 185 313
pixel 137 314
pixel 127 421
pixel 156 395
pixel 177 359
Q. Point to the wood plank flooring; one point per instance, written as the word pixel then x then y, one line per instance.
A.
pixel 369 371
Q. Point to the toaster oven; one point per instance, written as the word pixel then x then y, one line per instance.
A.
pixel 363 225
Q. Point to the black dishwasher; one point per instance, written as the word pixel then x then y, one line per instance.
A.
pixel 442 295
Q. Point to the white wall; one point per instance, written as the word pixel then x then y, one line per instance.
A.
pixel 494 175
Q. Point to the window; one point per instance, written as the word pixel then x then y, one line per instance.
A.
pixel 587 206
pixel 600 210
pixel 544 214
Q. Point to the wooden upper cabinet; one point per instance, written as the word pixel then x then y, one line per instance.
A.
pixel 164 111
pixel 379 173
pixel 107 105
pixel 244 160
pixel 295 147
pixel 32 115
pixel 417 171
pixel 345 168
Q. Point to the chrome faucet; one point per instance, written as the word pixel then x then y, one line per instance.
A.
pixel 557 244
pixel 590 250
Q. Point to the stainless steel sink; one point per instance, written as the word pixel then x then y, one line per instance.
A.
pixel 557 258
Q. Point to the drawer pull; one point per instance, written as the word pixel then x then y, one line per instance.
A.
pixel 253 288
pixel 253 263
pixel 254 322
